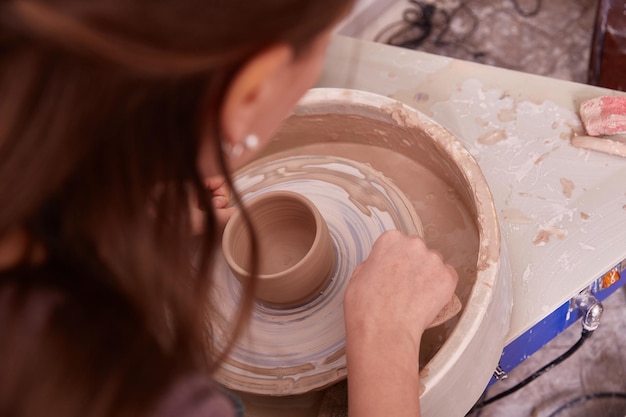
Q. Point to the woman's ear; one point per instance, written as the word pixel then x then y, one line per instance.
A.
pixel 253 91
pixel 260 95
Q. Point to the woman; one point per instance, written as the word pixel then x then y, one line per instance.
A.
pixel 113 116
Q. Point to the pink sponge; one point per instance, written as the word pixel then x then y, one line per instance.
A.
pixel 604 115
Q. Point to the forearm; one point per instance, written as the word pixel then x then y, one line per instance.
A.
pixel 390 300
pixel 383 378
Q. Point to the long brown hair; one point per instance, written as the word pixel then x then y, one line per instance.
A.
pixel 99 132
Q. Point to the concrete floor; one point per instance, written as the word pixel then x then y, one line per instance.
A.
pixel 554 41
pixel 545 37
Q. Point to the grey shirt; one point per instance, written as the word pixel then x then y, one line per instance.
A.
pixel 194 395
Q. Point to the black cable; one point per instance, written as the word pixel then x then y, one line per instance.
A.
pixel 534 12
pixel 420 20
pixel 586 334
pixel 588 397
pixel 414 28
pixel 480 410
pixel 449 17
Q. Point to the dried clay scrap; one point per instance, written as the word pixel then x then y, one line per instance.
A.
pixel 604 119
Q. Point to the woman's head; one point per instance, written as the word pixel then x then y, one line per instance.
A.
pixel 105 108
pixel 70 67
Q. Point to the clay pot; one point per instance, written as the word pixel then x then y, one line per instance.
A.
pixel 296 255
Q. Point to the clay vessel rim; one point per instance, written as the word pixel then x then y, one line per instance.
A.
pixel 320 227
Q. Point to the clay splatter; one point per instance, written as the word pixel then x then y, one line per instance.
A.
pixel 507 115
pixel 493 137
pixel 421 97
pixel 568 187
pixel 544 235
pixel 542 158
pixel 512 215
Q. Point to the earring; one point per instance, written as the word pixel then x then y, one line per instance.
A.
pixel 251 142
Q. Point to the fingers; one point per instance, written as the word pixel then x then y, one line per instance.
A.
pixel 403 285
pixel 223 215
pixel 220 199
pixel 452 272
pixel 220 191
pixel 439 255
pixel 220 202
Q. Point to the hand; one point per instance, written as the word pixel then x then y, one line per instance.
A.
pixel 221 198
pixel 399 289
pixel 220 192
pixel 391 298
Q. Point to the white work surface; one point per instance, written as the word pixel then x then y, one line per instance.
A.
pixel 562 210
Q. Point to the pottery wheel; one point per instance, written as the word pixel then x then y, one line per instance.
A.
pixel 298 349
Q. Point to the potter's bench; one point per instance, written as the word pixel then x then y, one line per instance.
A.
pixel 562 210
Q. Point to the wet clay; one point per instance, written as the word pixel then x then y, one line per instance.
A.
pixel 448 223
pixel 299 348
pixel 449 310
pixel 292 358
pixel 568 186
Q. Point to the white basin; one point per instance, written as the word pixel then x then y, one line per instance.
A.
pixel 459 217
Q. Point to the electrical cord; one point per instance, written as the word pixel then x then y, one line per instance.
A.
pixel 590 312
pixel 585 335
pixel 414 28
pixel 532 13
pixel 419 21
pixel 417 25
pixel 585 398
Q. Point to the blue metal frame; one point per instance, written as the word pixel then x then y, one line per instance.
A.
pixel 560 319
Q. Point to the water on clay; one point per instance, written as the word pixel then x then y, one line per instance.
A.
pixel 363 185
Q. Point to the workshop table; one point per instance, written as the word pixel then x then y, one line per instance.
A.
pixel 562 210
